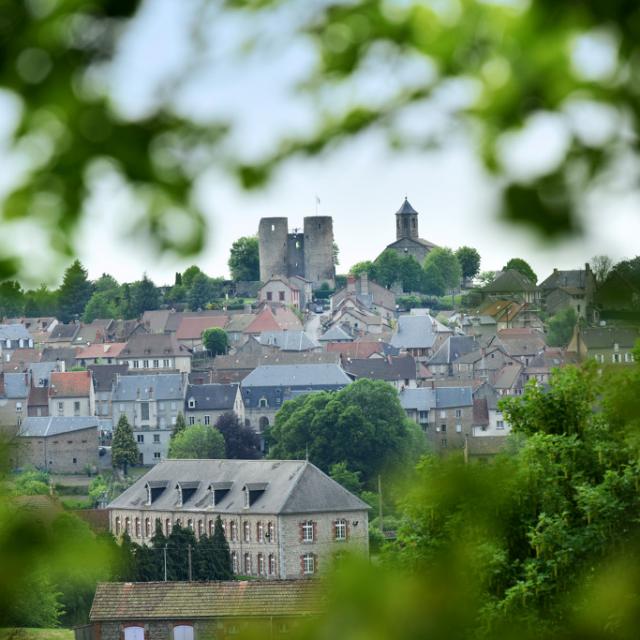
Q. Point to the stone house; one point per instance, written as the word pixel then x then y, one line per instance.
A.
pixel 607 345
pixel 441 362
pixel 104 380
pixel 367 294
pixel 39 328
pixel 205 403
pixel 198 610
pixel 512 285
pixel 71 393
pixel 151 404
pixel 12 337
pixel 523 343
pixel 569 289
pixel 99 353
pixel 282 518
pixel 191 328
pixel 283 291
pixel 59 444
pixel 14 392
pixel 268 386
pixel 419 335
pixel 496 425
pixel 62 335
pixel 399 371
pixel 155 353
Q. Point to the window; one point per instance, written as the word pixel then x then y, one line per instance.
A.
pixel 167 527
pixel 140 438
pixel 423 416
pixel 192 420
pixel 147 527
pixel 200 528
pixel 121 408
pixel 272 564
pixel 190 524
pixel 628 357
pixel 500 424
pixel 211 527
pixel 246 531
pixel 173 406
pixel 156 438
pixel 161 406
pixel 192 403
pixel 443 413
pixel 458 428
pixel 247 564
pixel 233 527
pixel 271 534
pixel 307 531
pixel 308 562
pixel 134 633
pixel 269 296
pixel 75 461
pixel 262 403
pixel 183 632
pixel 156 455
pixel 443 442
pixel 76 408
pixel 127 525
pixel 156 364
pixel 615 357
pixel 207 420
pixel 60 408
pixel 458 413
pixel 281 296
pixel 261 567
pixel 234 562
pixel 18 407
pixel 118 525
pixel 144 410
pixel 340 529
pixel 136 364
pixel 260 532
pixel 145 364
pixel 166 363
pixel 138 530
pixel 443 428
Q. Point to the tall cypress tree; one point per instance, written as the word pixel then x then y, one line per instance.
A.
pixel 74 293
pixel 178 544
pixel 124 450
pixel 221 553
pixel 179 426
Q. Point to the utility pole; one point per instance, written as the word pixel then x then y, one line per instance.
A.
pixel 189 552
pixel 380 503
pixel 165 562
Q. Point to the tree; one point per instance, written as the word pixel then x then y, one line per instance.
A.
pixel 520 265
pixel 469 260
pixel 212 559
pixel 74 293
pixel 244 260
pixel 362 423
pixel 215 341
pixel 366 266
pixel 433 282
pixel 124 450
pixel 40 302
pixel 487 277
pixel 179 426
pixel 336 254
pixel 387 268
pixel 601 267
pixel 241 442
pixel 561 327
pixel 197 441
pixel 445 262
pixel 411 274
pixel 350 480
pixel 99 305
pixel 12 299
pixel 144 296
pixel 200 292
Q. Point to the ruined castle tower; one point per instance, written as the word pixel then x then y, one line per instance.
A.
pixel 307 253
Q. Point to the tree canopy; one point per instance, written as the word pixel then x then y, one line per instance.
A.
pixel 197 441
pixel 444 261
pixel 74 293
pixel 124 450
pixel 523 267
pixel 560 327
pixel 241 442
pixel 244 260
pixel 362 424
pixel 469 260
pixel 215 341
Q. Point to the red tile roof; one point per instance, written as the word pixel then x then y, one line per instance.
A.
pixel 359 349
pixel 99 350
pixel 192 328
pixel 70 384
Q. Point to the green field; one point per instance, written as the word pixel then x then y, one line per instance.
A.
pixel 36 634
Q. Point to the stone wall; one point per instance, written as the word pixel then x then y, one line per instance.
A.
pixel 63 453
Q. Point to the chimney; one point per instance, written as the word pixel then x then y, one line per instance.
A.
pixel 364 283
pixel 351 283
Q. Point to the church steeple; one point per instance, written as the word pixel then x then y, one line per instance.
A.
pixel 406 221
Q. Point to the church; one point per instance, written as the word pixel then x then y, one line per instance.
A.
pixel 408 241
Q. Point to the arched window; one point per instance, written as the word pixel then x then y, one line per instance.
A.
pixel 246 532
pixel 263 403
pixel 271 532
pixel 211 525
pixel 234 531
pixel 147 527
pixel 247 564
pixel 167 527
pixel 272 565
pixel 234 562
pixel 190 524
pixel 260 532
pixel 200 528
pixel 127 525
pixel 183 632
pixel 263 423
pixel 261 568
pixel 118 525
pixel 137 529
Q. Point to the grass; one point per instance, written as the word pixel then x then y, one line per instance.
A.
pixel 36 634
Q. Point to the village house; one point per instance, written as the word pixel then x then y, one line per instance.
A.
pixel 273 317
pixel 100 353
pixel 289 341
pixel 293 291
pixel 268 386
pixel 191 328
pixel 155 353
pixel 364 293
pixel 38 328
pixel 18 361
pixel 282 518
pixel 104 380
pixel 71 394
pixel 569 289
pixel 59 444
pixel 441 362
pixel 12 337
pixel 399 371
pixel 496 424
pixel 14 391
pixel 523 344
pixel 420 335
pixel 512 285
pixel 151 404
pixel 607 345
pixel 62 335
pixel 205 403
pixel 335 334
pixel 92 332
pixel 199 610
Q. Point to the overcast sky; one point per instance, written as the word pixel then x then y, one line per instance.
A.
pixel 361 184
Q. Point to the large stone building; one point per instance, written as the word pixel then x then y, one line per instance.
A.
pixel 408 242
pixel 307 253
pixel 282 518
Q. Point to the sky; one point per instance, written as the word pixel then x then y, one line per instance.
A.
pixel 360 184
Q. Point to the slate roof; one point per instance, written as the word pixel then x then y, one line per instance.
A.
pixel 406 208
pixel 510 280
pixel 422 399
pixel 16 385
pixel 159 386
pixel 335 334
pixel 63 332
pixel 66 354
pixel 156 321
pixel 70 384
pixel 362 348
pixel 606 337
pixel 523 341
pixel 104 375
pixel 288 340
pixel 42 371
pixel 292 486
pixel 116 601
pixel 452 348
pixel 392 369
pixel 508 376
pixel 416 332
pixel 297 375
pixel 572 279
pixel 37 427
pixel 191 328
pixel 212 396
pixel 453 397
pixel 13 332
pixel 21 359
pixel 95 331
pixel 239 322
pixel 149 345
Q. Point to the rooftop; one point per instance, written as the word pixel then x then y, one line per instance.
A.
pixel 298 375
pixel 36 427
pixel 70 384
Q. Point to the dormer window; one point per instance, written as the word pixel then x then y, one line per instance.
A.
pixel 263 403
pixel 218 491
pixel 192 403
pixel 186 490
pixel 253 491
pixel 155 488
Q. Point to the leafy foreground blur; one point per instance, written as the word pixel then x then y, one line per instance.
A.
pixel 544 542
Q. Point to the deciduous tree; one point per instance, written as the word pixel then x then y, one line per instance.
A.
pixel 244 260
pixel 241 442
pixel 215 341
pixel 522 266
pixel 197 441
pixel 469 260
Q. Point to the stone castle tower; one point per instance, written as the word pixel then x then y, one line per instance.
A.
pixel 308 254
